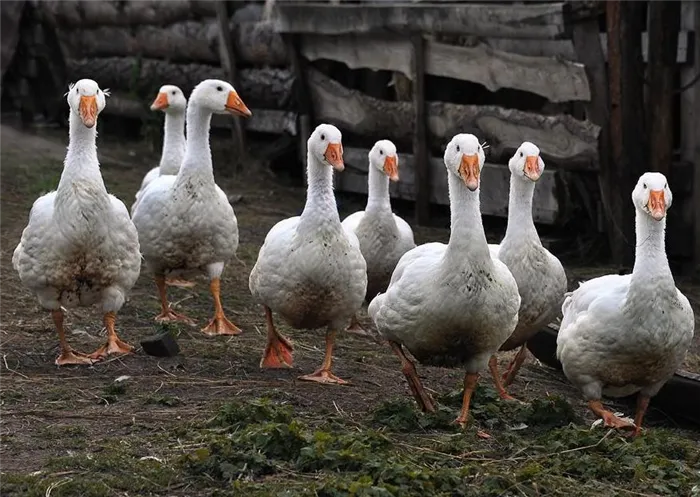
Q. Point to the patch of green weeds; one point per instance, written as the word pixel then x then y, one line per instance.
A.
pixel 112 392
pixel 163 400
pixel 401 415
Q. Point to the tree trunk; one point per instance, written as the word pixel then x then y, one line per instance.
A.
pixel 259 88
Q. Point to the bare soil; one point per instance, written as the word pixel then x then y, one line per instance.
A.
pixel 50 412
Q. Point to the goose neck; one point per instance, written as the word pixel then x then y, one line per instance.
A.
pixel 520 222
pixel 320 201
pixel 467 239
pixel 197 160
pixel 651 268
pixel 173 143
pixel 81 161
pixel 377 191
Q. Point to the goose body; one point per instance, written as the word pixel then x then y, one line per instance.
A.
pixel 626 334
pixel 540 275
pixel 451 305
pixel 80 248
pixel 185 222
pixel 310 270
pixel 173 103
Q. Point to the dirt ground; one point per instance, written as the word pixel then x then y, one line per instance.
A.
pixel 159 408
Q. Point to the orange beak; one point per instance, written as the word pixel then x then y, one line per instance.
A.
pixel 235 105
pixel 532 167
pixel 88 110
pixel 334 156
pixel 161 102
pixel 391 168
pixel 469 171
pixel 657 204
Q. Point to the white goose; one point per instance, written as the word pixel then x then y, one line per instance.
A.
pixel 80 248
pixel 310 269
pixel 625 334
pixel 540 276
pixel 185 222
pixel 451 304
pixel 173 103
pixel 384 237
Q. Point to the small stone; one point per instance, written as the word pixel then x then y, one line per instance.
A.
pixel 161 345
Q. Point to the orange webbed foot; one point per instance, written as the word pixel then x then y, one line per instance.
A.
pixel 357 329
pixel 170 316
pixel 114 345
pixel 612 421
pixel 278 353
pixel 180 283
pixel 73 357
pixel 323 376
pixel 220 325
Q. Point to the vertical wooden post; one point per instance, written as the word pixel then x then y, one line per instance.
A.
pixel 228 61
pixel 664 23
pixel 301 93
pixel 420 138
pixel 690 114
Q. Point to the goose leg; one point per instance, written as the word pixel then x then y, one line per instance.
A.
pixel 470 380
pixel 409 370
pixel 356 328
pixel 114 344
pixel 642 404
pixel 219 324
pixel 68 355
pixel 514 366
pixel 324 374
pixel 278 352
pixel 167 315
pixel 609 419
pixel 493 367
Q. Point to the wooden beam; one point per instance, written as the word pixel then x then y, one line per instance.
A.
pixel 420 138
pixel 479 19
pixel 555 79
pixel 495 184
pixel 696 139
pixel 564 49
pixel 563 140
pixel 262 120
pixel 304 105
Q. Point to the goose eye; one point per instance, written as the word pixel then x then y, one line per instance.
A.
pixel 665 185
pixel 219 88
pixel 457 148
pixel 76 90
pixel 323 137
pixel 173 92
pixel 645 185
pixel 521 154
pixel 381 152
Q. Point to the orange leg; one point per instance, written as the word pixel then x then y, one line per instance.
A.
pixel 409 370
pixel 324 374
pixel 356 328
pixel 493 367
pixel 179 282
pixel 642 404
pixel 68 355
pixel 470 380
pixel 514 366
pixel 114 345
pixel 219 324
pixel 167 315
pixel 278 352
pixel 609 419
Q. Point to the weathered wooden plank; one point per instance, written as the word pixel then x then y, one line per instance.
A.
pixel 76 13
pixel 187 41
pixel 495 184
pixel 563 140
pixel 260 88
pixel 556 79
pixel 696 142
pixel 513 21
pixel 565 49
pixel 262 120
pixel 420 138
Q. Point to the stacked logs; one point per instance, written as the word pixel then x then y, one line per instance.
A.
pixel 134 47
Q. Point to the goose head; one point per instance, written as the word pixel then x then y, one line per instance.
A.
pixel 652 196
pixel 218 97
pixel 383 157
pixel 326 146
pixel 526 163
pixel 465 157
pixel 170 99
pixel 86 100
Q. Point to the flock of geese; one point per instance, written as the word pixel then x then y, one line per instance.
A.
pixel 454 304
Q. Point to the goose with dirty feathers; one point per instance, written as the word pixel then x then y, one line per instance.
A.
pixel 384 237
pixel 310 269
pixel 627 334
pixel 80 247
pixel 186 224
pixel 451 305
pixel 540 276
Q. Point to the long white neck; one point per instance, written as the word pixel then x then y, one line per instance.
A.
pixel 197 161
pixel 81 159
pixel 520 223
pixel 467 239
pixel 651 270
pixel 320 204
pixel 173 143
pixel 378 192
